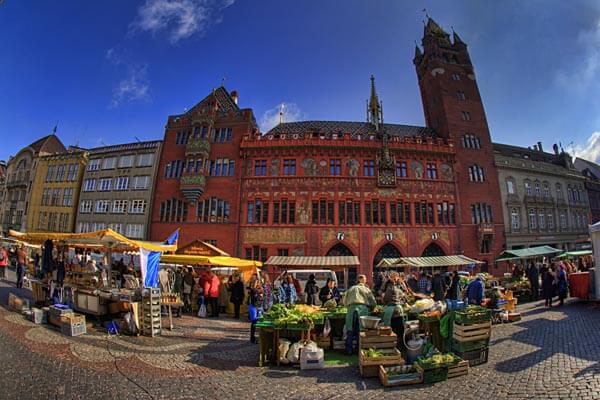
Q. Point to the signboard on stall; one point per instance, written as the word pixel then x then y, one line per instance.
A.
pixel 200 248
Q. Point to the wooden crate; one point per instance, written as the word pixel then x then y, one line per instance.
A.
pixel 409 376
pixel 378 341
pixel 469 333
pixel 369 371
pixel 389 357
pixel 460 369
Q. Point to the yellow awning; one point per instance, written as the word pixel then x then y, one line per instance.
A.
pixel 106 238
pixel 216 261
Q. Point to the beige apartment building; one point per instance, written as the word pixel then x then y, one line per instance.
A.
pixel 117 188
pixel 543 197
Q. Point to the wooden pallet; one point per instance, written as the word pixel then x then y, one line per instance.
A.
pixel 470 333
pixel 410 376
pixel 389 357
pixel 460 369
pixel 378 341
pixel 369 371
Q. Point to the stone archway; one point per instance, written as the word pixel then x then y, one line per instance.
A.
pixel 433 250
pixel 388 250
pixel 346 277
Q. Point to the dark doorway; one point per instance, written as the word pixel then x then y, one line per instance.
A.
pixel 347 277
pixel 433 250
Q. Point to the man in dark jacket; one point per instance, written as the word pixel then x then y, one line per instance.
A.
pixel 438 285
pixel 475 291
pixel 311 290
pixel 534 280
pixel 329 292
pixel 454 289
pixel 237 294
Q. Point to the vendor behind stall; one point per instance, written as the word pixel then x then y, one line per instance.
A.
pixel 358 299
pixel 476 291
pixel 394 296
pixel 329 292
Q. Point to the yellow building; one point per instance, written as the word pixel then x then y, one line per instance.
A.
pixel 55 192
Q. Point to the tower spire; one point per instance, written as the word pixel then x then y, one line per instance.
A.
pixel 374 112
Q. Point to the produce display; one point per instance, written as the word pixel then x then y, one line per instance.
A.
pixel 282 315
pixel 330 305
pixel 438 361
pixel 378 309
pixel 373 353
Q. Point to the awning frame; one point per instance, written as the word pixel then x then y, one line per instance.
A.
pixel 427 262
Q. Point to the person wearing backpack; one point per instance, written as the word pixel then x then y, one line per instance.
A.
pixel 3 262
pixel 311 290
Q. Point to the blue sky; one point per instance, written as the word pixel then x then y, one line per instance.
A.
pixel 112 70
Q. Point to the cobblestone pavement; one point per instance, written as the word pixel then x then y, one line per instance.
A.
pixel 550 354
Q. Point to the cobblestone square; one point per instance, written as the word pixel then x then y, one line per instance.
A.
pixel 550 354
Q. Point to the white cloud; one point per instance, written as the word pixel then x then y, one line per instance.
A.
pixel 180 19
pixel 591 150
pixel 135 86
pixel 271 118
pixel 583 74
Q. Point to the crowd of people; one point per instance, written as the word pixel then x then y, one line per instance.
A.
pixel 552 275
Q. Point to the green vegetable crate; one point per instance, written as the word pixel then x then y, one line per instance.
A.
pixel 463 347
pixel 472 315
pixel 400 375
pixel 369 365
pixel 433 375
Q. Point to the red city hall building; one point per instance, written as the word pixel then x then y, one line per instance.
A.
pixel 370 189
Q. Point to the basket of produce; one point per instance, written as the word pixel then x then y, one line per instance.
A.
pixel 299 317
pixel 430 316
pixel 437 361
pixel 374 356
pixel 433 375
pixel 400 375
pixel 472 315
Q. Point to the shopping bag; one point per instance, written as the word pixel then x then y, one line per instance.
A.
pixel 326 328
pixel 202 311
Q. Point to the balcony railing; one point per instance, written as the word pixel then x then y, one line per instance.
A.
pixel 198 146
pixel 192 186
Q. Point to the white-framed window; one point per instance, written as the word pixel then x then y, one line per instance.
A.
pixel 135 231
pixel 89 185
pixel 137 207
pixel 527 188
pixel 546 190
pixel 102 206
pixel 83 227
pixel 510 187
pixel 119 206
pixel 532 219
pixel 94 164
pixel 559 192
pixel 455 77
pixel 67 197
pixel 460 95
pixel 109 163
pixel 50 173
pixel 60 173
pixel 122 183
pixel 476 174
pixel 126 161
pixel 563 221
pixel 104 184
pixel 542 219
pixel 85 206
pixel 550 218
pixel 145 160
pixel 538 193
pixel 514 219
pixel 72 172
pixel 98 226
pixel 117 227
pixel 141 182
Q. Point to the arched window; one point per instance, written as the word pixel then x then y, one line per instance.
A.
pixel 510 186
pixel 388 250
pixel 527 188
pixel 433 250
pixel 538 192
pixel 546 190
pixel 559 192
pixel 542 219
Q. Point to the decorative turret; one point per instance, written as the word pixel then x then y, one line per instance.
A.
pixel 374 108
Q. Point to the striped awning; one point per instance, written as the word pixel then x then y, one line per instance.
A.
pixel 312 261
pixel 420 262
pixel 529 252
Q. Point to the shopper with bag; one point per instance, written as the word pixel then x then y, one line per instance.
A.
pixel 3 262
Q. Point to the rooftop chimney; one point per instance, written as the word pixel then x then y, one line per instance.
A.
pixel 540 148
pixel 234 96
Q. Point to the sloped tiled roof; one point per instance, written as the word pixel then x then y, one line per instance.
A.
pixel 226 103
pixel 48 144
pixel 583 164
pixel 354 128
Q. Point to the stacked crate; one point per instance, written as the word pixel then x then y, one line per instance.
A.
pixel 150 318
pixel 384 340
pixel 471 334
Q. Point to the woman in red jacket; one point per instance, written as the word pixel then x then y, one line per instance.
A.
pixel 211 292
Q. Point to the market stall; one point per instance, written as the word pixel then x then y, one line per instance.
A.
pixel 71 276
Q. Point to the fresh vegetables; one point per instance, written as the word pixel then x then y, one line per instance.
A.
pixel 378 309
pixel 282 315
pixel 330 305
pixel 437 360
pixel 373 353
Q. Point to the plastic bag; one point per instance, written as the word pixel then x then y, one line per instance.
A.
pixel 284 347
pixel 326 328
pixel 202 311
pixel 293 354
